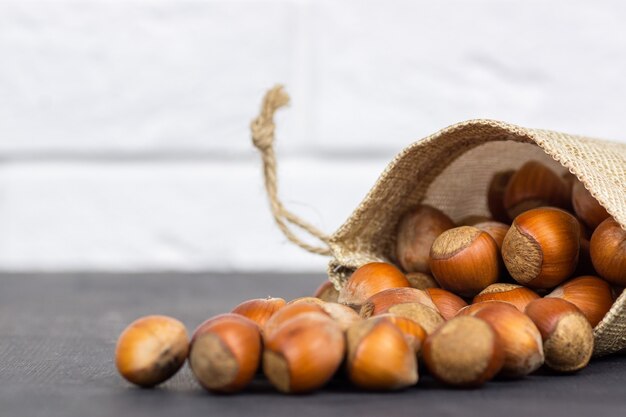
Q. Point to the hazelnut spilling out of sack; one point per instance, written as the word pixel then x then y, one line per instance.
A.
pixel 500 293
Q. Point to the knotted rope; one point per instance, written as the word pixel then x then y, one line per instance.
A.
pixel 263 138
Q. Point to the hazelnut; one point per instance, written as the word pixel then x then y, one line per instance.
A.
pixel 511 293
pixel 446 303
pixel 308 300
pixel 496 230
pixel 427 317
pixel 327 292
pixel 380 302
pixel 413 332
pixel 259 310
pixel 151 350
pixel 225 353
pixel 566 333
pixel 416 233
pixel 442 301
pixel 289 312
pixel 464 260
pixel 370 279
pixel 304 353
pixel 465 351
pixel 521 340
pixel 495 195
pixel 592 295
pixel 379 356
pixel 608 252
pixel 586 207
pixel 421 280
pixel 342 314
pixel 534 185
pixel 540 250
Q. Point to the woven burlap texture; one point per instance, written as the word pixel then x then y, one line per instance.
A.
pixel 451 169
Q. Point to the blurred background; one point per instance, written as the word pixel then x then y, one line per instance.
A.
pixel 124 141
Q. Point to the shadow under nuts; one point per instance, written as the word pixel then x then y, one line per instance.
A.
pixel 540 250
pixel 304 353
pixel 151 350
pixel 379 356
pixel 225 353
pixel 566 333
pixel 465 260
pixel 465 351
pixel 416 233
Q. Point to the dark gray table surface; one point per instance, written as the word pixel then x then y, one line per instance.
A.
pixel 58 332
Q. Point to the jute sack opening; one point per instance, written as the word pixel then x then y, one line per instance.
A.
pixel 450 170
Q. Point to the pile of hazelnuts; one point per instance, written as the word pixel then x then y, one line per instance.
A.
pixel 490 297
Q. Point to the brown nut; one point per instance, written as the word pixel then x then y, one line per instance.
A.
pixel 421 280
pixel 416 233
pixel 592 295
pixel 151 350
pixel 304 353
pixel 608 252
pixel 342 314
pixel 495 195
pixel 442 301
pixel 370 279
pixel 379 356
pixel 327 292
pixel 586 207
pixel 566 333
pixel 465 351
pixel 259 310
pixel 380 302
pixel 225 353
pixel 511 293
pixel 534 185
pixel 413 332
pixel 465 260
pixel 427 317
pixel 541 248
pixel 446 303
pixel 289 312
pixel 521 340
pixel 496 230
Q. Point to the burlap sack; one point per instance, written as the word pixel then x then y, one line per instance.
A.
pixel 450 170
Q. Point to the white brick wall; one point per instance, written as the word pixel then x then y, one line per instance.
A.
pixel 124 137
